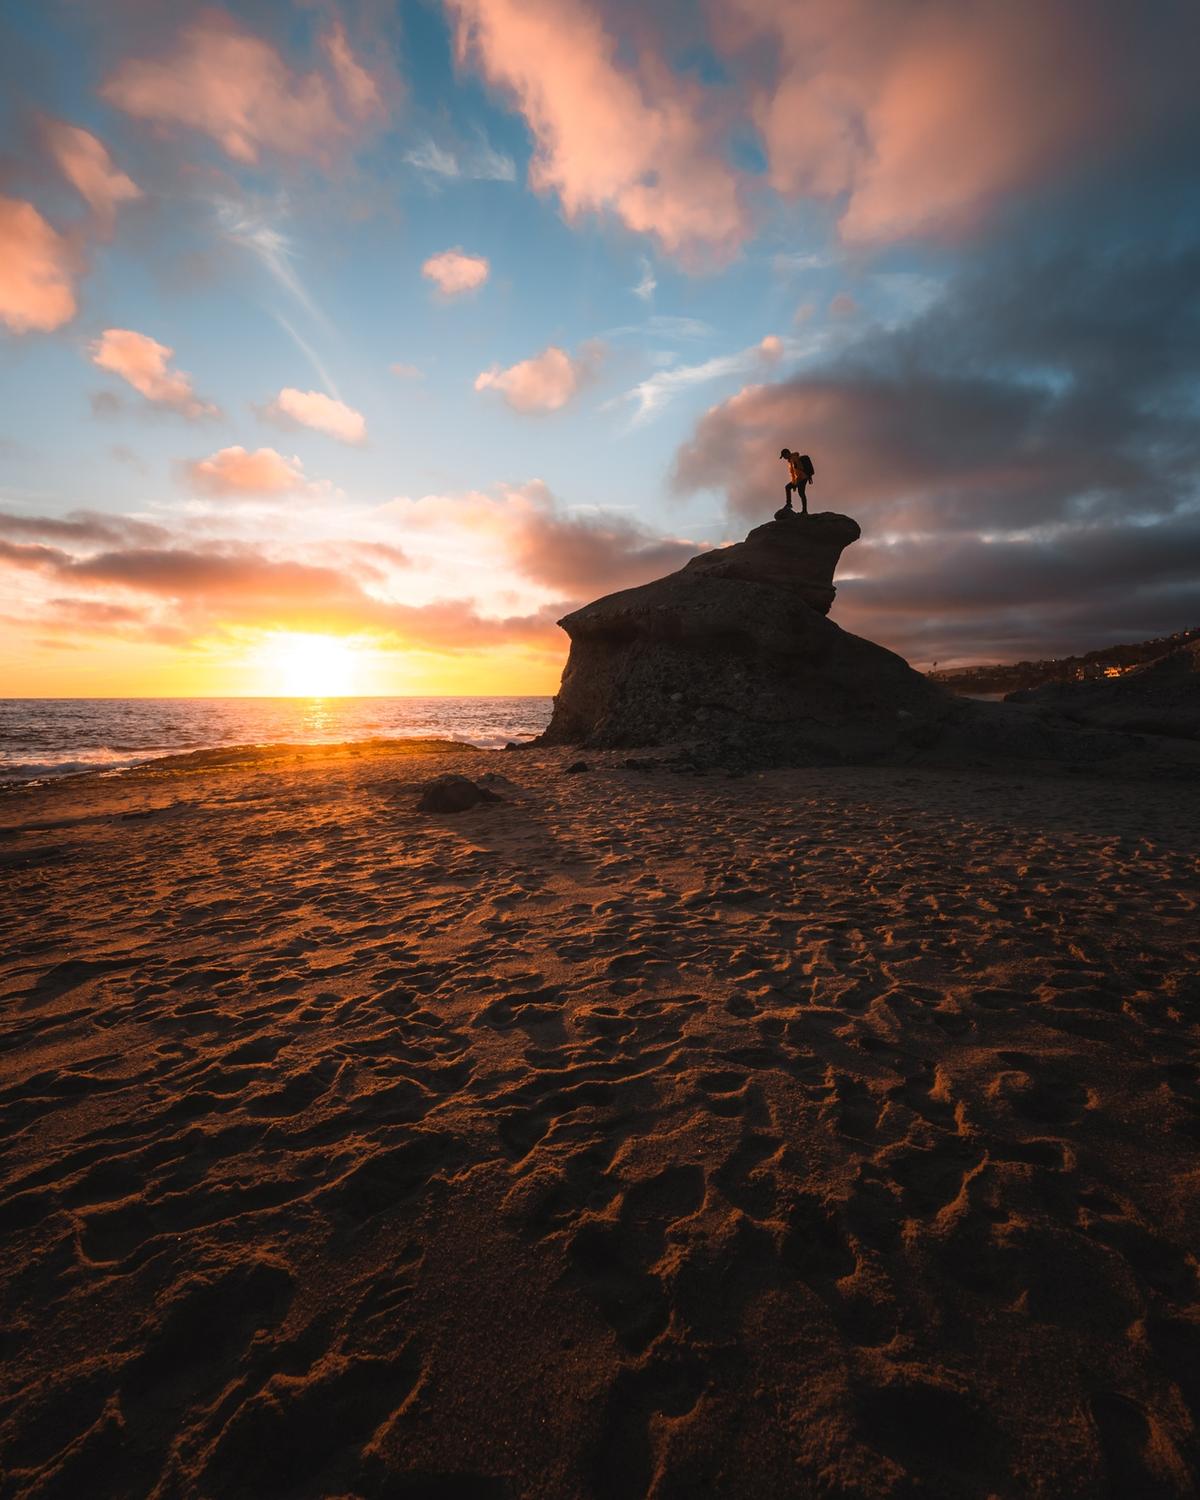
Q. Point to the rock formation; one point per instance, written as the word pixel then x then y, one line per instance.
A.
pixel 735 650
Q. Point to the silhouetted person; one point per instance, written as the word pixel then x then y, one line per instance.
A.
pixel 800 467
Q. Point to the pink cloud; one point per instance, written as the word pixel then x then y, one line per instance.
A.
pixel 544 383
pixel 321 412
pixel 636 139
pixel 36 271
pixel 234 471
pixel 577 554
pixel 85 163
pixel 358 88
pixel 586 553
pixel 924 115
pixel 143 363
pixel 454 272
pixel 225 82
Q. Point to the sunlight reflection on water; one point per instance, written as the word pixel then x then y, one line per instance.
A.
pixel 53 736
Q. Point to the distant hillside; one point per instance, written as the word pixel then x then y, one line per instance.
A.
pixel 1112 661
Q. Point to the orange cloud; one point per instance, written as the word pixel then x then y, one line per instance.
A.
pixel 142 362
pixel 636 139
pixel 234 471
pixel 36 272
pixel 544 383
pixel 454 272
pixel 85 163
pixel 321 412
pixel 226 82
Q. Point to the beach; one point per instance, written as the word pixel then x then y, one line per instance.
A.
pixel 818 1132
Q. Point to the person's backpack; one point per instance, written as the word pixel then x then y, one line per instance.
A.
pixel 806 464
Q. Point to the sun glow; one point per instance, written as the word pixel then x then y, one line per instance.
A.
pixel 309 666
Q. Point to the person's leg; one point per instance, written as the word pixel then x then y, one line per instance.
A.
pixel 787 496
pixel 802 489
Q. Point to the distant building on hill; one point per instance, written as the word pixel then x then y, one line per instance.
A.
pixel 1111 661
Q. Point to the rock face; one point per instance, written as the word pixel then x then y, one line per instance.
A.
pixel 1161 697
pixel 735 649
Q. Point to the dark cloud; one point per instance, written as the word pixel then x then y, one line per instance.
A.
pixel 32 555
pixel 1030 444
pixel 590 554
pixel 84 527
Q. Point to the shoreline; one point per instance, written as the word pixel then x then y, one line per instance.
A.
pixel 811 1131
pixel 244 753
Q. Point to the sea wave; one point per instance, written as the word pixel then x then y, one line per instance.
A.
pixel 46 738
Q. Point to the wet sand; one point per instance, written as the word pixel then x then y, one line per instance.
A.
pixel 817 1133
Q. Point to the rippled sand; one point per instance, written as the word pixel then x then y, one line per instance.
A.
pixel 814 1133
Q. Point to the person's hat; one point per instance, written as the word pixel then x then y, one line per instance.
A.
pixel 783 453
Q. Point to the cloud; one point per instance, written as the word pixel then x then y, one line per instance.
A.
pixel 524 552
pixel 1023 455
pixel 455 272
pixel 142 362
pixel 653 393
pixel 921 117
pixel 83 527
pixel 578 553
pixel 321 412
pixel 37 273
pixel 647 285
pixel 85 163
pixel 544 383
pixel 225 82
pixel 586 553
pixel 965 598
pixel 360 91
pixel 190 592
pixel 250 228
pixel 407 372
pixel 638 139
pixel 482 163
pixel 33 555
pixel 234 471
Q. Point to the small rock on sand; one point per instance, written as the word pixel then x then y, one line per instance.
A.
pixel 449 794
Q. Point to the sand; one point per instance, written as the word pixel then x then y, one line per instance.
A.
pixel 823 1132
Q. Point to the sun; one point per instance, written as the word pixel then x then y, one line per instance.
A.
pixel 308 666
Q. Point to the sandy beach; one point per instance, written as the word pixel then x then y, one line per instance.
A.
pixel 821 1132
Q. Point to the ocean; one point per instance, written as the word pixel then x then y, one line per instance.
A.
pixel 43 737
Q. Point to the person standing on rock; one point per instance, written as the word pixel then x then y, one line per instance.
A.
pixel 800 466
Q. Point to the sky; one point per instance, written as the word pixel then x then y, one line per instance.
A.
pixel 348 345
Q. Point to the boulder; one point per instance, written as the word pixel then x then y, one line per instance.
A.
pixel 451 794
pixel 735 649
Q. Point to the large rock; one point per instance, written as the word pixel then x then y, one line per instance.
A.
pixel 794 551
pixel 735 649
